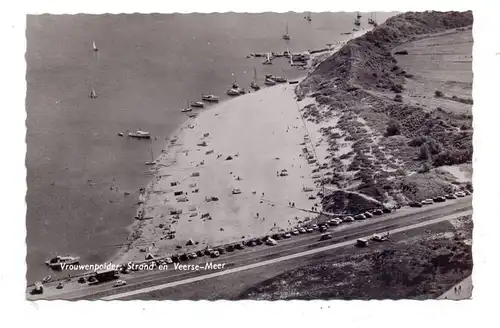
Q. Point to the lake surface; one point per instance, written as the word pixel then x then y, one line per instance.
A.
pixel 146 69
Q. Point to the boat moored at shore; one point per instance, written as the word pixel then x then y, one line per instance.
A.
pixel 198 104
pixel 58 262
pixel 211 98
pixel 140 134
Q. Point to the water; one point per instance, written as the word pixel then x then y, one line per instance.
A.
pixel 146 68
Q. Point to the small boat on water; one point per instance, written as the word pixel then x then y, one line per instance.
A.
pixel 92 94
pixel 187 109
pixel 371 20
pixel 140 134
pixel 357 22
pixel 286 36
pixel 269 81
pixel 152 162
pixel 233 92
pixel 211 98
pixel 58 261
pixel 254 85
pixel 197 104
pixel 308 17
pixel 94 46
pixel 358 15
pixel 268 60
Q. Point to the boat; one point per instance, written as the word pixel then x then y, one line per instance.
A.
pixel 197 104
pixel 233 92
pixel 279 79
pixel 140 134
pixel 371 20
pixel 254 85
pixel 269 81
pixel 268 60
pixel 358 15
pixel 153 161
pixel 187 109
pixel 357 22
pixel 94 46
pixel 308 17
pixel 58 261
pixel 92 93
pixel 211 98
pixel 286 36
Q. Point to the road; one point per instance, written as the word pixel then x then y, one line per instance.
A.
pixel 258 261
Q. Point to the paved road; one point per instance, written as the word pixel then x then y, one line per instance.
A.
pixel 256 258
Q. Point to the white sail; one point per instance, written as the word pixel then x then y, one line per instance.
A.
pixel 94 46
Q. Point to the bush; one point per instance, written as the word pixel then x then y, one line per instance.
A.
pixel 393 128
pixel 397 88
pixel 398 98
pixel 424 152
pixel 438 94
pixel 448 157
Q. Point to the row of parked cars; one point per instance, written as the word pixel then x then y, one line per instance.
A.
pixel 441 199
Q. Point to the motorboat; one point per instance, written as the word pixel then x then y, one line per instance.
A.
pixel 269 81
pixel 211 98
pixel 358 15
pixel 197 104
pixel 357 22
pixel 187 109
pixel 233 92
pixel 58 261
pixel 153 161
pixel 92 94
pixel 140 134
pixel 279 79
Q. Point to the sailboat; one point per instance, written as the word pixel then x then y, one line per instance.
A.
pixel 286 36
pixel 92 93
pixel 357 22
pixel 254 85
pixel 372 21
pixel 152 162
pixel 268 60
pixel 94 46
pixel 308 18
pixel 358 15
pixel 187 109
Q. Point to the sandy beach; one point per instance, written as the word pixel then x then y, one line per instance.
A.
pixel 252 143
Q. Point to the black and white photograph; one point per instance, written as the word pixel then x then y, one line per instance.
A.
pixel 249 156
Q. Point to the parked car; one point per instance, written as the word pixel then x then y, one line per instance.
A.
pixel 360 217
pixel 378 237
pixel 387 210
pixel 251 243
pixel 467 192
pixel 230 248
pixel 427 201
pixel 439 199
pixel 368 215
pixel 168 260
pixel 378 212
pixel 348 219
pixel 258 241
pixel 276 236
pixel 193 256
pixel 302 230
pixel 200 253
pixel 208 251
pixel 309 229
pixel 323 228
pixel 119 283
pixel 451 196
pixel 295 232
pixel 415 204
pixel 460 194
pixel 315 227
pixel 221 250
pixel 215 254
pixel 326 236
pixel 239 246
pixel 287 235
pixel 271 242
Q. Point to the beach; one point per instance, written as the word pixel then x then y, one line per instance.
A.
pixel 253 144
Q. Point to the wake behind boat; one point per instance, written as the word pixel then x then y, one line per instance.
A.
pixel 58 261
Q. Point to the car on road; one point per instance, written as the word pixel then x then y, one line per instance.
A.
pixel 467 192
pixel 221 250
pixel 309 229
pixel 251 243
pixel 348 219
pixel 387 210
pixel 271 242
pixel 323 228
pixel 215 254
pixel 168 260
pixel 460 194
pixel 378 211
pixel 450 196
pixel 360 217
pixel 427 201
pixel 362 242
pixel 302 230
pixel 325 236
pixel 439 199
pixel 415 204
pixel 239 246
pixel 334 222
pixel 287 235
pixel 193 256
pixel 119 283
pixel 377 237
pixel 368 214
pixel 315 227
